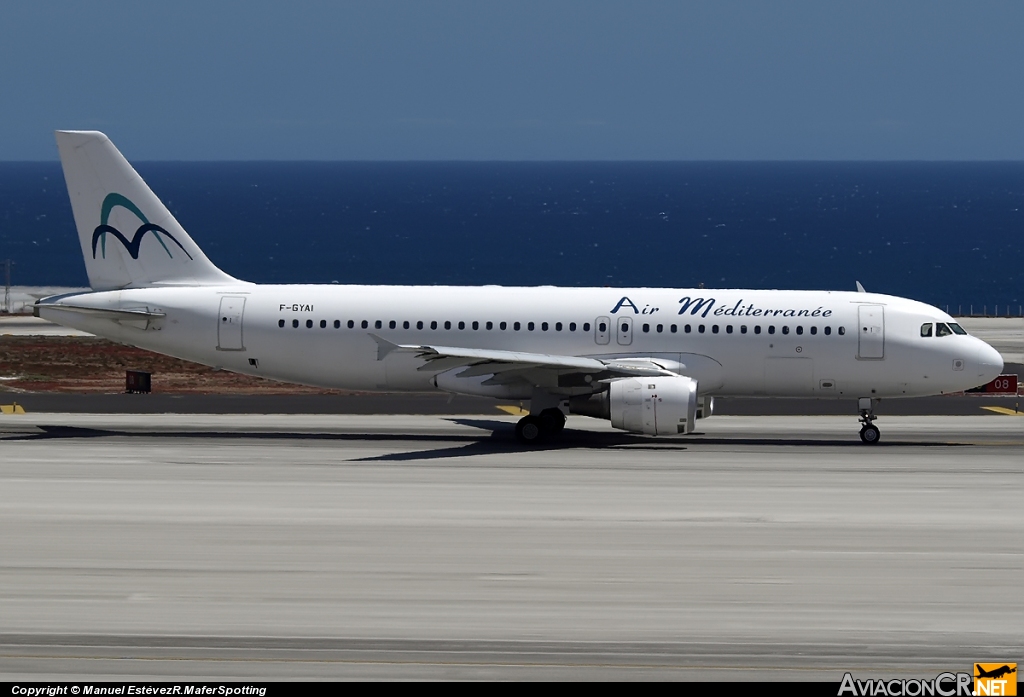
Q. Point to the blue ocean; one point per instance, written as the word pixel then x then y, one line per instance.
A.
pixel 949 234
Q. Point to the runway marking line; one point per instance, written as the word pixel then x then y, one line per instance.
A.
pixel 12 409
pixel 1005 410
pixel 514 411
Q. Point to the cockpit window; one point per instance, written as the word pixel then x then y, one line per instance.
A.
pixel 957 329
pixel 926 329
pixel 942 329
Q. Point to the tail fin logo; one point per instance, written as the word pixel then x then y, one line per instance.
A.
pixel 99 235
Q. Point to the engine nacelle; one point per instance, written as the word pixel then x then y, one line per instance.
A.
pixel 658 406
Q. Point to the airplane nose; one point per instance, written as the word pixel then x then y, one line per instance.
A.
pixel 989 362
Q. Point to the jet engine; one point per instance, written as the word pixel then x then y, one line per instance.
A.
pixel 658 406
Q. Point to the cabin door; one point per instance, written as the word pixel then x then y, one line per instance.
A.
pixel 602 330
pixel 229 324
pixel 871 332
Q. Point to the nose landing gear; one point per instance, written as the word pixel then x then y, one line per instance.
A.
pixel 869 433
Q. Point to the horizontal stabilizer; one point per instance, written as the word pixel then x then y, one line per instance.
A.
pixel 99 313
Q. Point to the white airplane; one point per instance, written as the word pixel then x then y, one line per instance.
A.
pixel 649 359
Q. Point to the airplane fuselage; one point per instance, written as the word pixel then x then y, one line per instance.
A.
pixel 821 344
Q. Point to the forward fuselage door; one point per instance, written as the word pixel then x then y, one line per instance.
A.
pixel 229 324
pixel 871 332
pixel 602 330
pixel 624 330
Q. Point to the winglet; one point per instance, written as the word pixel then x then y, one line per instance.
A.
pixel 860 288
pixel 384 347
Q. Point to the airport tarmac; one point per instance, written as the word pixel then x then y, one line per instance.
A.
pixel 217 547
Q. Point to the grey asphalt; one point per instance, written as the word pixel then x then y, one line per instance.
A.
pixel 178 546
pixel 439 404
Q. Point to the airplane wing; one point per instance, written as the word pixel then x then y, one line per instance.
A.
pixel 516 366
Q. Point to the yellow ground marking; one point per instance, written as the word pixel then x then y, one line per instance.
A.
pixel 514 411
pixel 11 409
pixel 1004 410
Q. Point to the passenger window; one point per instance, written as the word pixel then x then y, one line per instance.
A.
pixel 814 330
pixel 323 324
pixel 529 326
pixel 828 331
pixel 351 324
pixel 586 326
pixel 295 323
pixel 476 325
pixel 771 328
pixel 714 329
pixel 625 328
pixel 558 326
pixel 842 330
pixel 673 328
pixel 392 324
pixel 800 330
pixel 377 324
pixel 700 328
pixel 926 329
pixel 957 329
pixel 515 326
pixel 942 329
pixel 602 327
pixel 405 324
pixel 433 324
pixel 757 328
pixel 337 324
pixel 280 322
pixel 687 329
pixel 543 326
pixel 743 329
pixel 647 328
pixel 419 324
pixel 489 325
pixel 462 325
pixel 785 329
pixel 660 328
pixel 503 326
pixel 728 329
pixel 309 324
pixel 447 324
pixel 572 326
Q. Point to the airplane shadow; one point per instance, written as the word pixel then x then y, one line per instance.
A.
pixel 496 437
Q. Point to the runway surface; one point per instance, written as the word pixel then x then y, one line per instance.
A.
pixel 439 403
pixel 261 547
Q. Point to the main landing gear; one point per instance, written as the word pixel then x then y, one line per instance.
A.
pixel 537 428
pixel 869 433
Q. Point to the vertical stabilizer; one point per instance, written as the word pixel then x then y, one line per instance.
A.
pixel 128 236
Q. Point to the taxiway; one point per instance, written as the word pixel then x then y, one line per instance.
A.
pixel 285 546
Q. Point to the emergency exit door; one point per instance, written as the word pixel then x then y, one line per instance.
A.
pixel 229 324
pixel 624 330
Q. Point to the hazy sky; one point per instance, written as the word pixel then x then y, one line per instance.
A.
pixel 545 80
